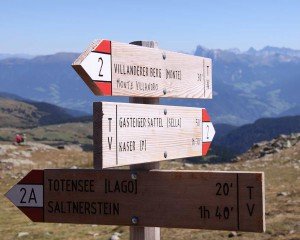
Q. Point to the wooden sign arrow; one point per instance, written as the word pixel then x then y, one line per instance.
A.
pixel 180 199
pixel 118 69
pixel 126 134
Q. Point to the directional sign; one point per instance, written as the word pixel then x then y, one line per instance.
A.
pixel 118 69
pixel 180 199
pixel 127 133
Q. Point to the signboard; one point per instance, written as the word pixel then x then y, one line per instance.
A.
pixel 127 133
pixel 179 199
pixel 118 69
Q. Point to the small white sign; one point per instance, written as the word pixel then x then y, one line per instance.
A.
pixel 208 131
pixel 98 66
pixel 23 195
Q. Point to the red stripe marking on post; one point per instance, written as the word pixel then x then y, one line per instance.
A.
pixel 103 47
pixel 205 148
pixel 205 116
pixel 104 87
pixel 33 177
pixel 33 213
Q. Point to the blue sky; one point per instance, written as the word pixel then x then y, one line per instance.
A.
pixel 45 27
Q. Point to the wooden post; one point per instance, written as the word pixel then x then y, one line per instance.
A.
pixel 145 233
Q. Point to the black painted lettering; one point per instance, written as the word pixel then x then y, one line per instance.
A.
pixel 32 196
pixel 100 60
pixel 50 184
pixel 22 199
pixel 128 146
pixel 50 207
pixel 250 191
pixel 226 213
pixel 116 209
pixel 109 139
pixel 70 185
pixel 250 210
pixel 56 185
pixel 84 208
pixel 87 207
pixel 115 67
pixel 56 208
pixel 106 208
pixel 91 185
pixel 93 208
pixel 124 186
pixel 204 212
pixel 143 145
pixel 223 212
pixel 223 189
pixel 109 128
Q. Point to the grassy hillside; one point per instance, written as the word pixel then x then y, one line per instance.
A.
pixel 21 113
pixel 67 133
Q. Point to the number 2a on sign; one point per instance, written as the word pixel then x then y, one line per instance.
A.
pixel 25 195
pixel 98 65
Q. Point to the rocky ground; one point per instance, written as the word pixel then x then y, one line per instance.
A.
pixel 282 175
pixel 261 149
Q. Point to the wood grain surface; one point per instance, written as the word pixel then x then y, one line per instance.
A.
pixel 180 199
pixel 139 71
pixel 126 134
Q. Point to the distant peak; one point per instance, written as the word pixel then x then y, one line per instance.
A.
pixel 234 50
pixel 251 50
pixel 201 51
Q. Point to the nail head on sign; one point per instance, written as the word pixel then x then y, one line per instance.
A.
pixel 134 220
pixel 133 176
pixel 165 154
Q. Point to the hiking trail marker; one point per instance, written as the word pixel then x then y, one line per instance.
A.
pixel 181 199
pixel 126 134
pixel 140 135
pixel 116 69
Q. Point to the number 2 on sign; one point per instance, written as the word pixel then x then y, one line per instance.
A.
pixel 207 137
pixel 100 60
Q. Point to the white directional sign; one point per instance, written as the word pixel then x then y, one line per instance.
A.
pixel 26 195
pixel 118 69
pixel 127 134
pixel 92 62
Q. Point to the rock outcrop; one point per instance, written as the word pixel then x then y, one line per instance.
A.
pixel 276 145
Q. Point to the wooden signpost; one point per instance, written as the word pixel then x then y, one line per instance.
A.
pixel 179 199
pixel 144 197
pixel 126 134
pixel 117 69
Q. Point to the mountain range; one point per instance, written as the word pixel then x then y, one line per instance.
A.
pixel 246 85
pixel 8 55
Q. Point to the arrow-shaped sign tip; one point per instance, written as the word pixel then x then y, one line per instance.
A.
pixel 8 195
pixel 208 132
pixel 28 195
